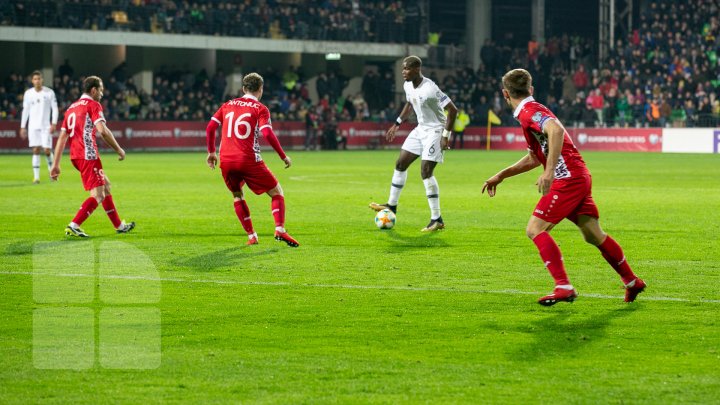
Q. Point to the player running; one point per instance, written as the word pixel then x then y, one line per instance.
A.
pixel 243 120
pixel 39 118
pixel 83 120
pixel 428 140
pixel 566 188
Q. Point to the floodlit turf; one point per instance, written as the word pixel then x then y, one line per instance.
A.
pixel 359 315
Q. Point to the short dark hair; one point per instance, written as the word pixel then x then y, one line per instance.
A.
pixel 413 61
pixel 253 82
pixel 36 73
pixel 91 82
pixel 517 82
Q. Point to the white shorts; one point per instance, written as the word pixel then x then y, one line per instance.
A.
pixel 425 143
pixel 40 138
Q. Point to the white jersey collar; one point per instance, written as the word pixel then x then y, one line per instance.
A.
pixel 521 105
pixel 248 95
pixel 86 96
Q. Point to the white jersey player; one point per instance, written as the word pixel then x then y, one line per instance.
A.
pixel 39 118
pixel 428 140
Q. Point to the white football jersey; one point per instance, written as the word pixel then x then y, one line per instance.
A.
pixel 428 102
pixel 40 109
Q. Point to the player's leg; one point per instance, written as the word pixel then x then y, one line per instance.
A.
pixel 411 150
pixel 431 156
pixel 36 163
pixel 613 254
pixel 538 231
pixel 49 158
pixel 109 207
pixel 234 180
pixel 261 180
pixel 277 204
pixel 47 145
pixel 243 213
pixel 432 191
pixel 97 195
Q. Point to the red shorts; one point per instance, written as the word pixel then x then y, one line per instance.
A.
pixel 568 198
pixel 255 174
pixel 91 172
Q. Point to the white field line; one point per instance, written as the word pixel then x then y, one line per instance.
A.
pixel 351 286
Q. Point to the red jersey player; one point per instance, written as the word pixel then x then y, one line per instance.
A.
pixel 243 120
pixel 566 188
pixel 83 120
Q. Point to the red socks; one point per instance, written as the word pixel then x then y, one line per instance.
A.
pixel 552 257
pixel 278 210
pixel 110 210
pixel 243 213
pixel 613 253
pixel 86 209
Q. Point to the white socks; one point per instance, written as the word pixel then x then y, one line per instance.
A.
pixel 398 182
pixel 49 159
pixel 36 166
pixel 432 190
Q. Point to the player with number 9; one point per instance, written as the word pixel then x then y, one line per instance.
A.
pixel 243 121
pixel 83 120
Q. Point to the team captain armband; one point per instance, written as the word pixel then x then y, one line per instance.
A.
pixel 541 119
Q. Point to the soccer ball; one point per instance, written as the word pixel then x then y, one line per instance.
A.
pixel 385 219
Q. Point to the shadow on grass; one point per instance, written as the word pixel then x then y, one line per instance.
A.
pixel 18 185
pixel 24 248
pixel 424 240
pixel 239 257
pixel 564 332
pixel 19 248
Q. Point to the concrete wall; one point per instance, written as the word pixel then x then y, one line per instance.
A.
pixel 98 60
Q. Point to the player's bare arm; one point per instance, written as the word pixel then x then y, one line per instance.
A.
pixel 527 163
pixel 555 133
pixel 108 137
pixel 59 147
pixel 450 122
pixel 390 135
pixel 23 133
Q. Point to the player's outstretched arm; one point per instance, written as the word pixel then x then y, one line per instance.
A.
pixel 555 133
pixel 390 134
pixel 210 130
pixel 108 137
pixel 449 124
pixel 528 162
pixel 273 141
pixel 59 147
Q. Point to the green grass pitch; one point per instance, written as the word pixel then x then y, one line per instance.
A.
pixel 359 315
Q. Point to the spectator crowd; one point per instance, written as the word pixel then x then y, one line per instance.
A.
pixel 333 20
pixel 665 73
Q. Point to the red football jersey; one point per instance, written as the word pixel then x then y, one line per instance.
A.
pixel 532 117
pixel 79 123
pixel 241 119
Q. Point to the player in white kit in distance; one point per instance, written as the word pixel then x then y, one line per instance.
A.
pixel 39 118
pixel 428 140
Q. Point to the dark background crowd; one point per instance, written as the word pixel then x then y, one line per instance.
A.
pixel 665 73
pixel 336 20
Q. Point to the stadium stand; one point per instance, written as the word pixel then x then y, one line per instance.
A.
pixel 665 74
pixel 368 21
